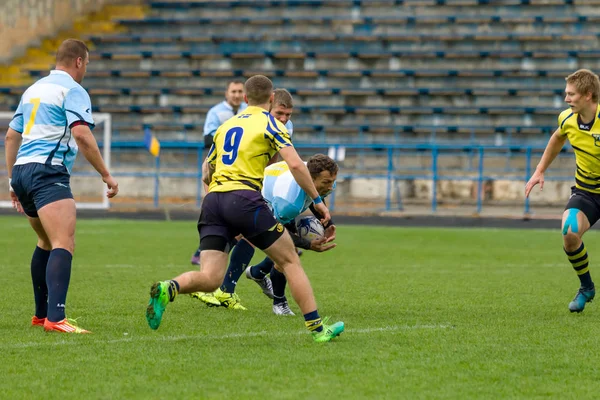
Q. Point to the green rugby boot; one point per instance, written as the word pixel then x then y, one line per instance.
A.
pixel 329 331
pixel 159 298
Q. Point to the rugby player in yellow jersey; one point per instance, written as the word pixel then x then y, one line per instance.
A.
pixel 234 205
pixel 581 126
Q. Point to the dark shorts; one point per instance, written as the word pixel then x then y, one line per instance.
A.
pixel 291 226
pixel 245 212
pixel 37 185
pixel 588 203
pixel 208 141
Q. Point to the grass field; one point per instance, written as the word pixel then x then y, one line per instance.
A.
pixel 429 313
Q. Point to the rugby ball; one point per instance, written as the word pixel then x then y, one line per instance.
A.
pixel 309 227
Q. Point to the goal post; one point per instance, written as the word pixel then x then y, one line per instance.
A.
pixel 88 189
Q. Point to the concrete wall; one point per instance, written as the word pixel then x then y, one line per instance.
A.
pixel 493 191
pixel 24 22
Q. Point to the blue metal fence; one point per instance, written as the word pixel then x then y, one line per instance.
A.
pixel 391 172
pixel 393 154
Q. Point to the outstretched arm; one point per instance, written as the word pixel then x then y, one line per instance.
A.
pixel 554 146
pixel 89 147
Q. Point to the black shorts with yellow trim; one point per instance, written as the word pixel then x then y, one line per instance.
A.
pixel 225 215
pixel 587 202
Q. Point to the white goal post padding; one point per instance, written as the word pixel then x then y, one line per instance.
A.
pixel 104 128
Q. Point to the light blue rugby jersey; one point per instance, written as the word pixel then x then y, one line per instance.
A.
pixel 45 112
pixel 286 198
pixel 217 116
pixel 290 127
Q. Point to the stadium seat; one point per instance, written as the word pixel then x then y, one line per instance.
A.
pixel 382 67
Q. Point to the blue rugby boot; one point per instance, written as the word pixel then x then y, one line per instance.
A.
pixel 584 295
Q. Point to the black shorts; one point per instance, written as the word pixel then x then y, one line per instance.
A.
pixel 587 202
pixel 37 185
pixel 208 141
pixel 228 214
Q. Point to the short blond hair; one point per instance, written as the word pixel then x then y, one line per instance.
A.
pixel 283 98
pixel 585 81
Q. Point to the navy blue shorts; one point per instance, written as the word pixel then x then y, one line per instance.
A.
pixel 37 185
pixel 228 214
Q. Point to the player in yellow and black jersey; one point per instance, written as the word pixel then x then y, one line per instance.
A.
pixel 242 148
pixel 580 124
pixel 234 170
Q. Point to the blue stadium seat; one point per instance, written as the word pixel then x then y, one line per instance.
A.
pixel 419 67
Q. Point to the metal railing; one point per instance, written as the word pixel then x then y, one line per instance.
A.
pixel 389 166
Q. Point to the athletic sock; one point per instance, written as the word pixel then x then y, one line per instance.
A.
pixel 580 262
pixel 39 262
pixel 313 321
pixel 58 275
pixel 241 255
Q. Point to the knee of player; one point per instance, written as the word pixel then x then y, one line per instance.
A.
pixel 44 245
pixel 66 244
pixel 571 240
pixel 570 228
pixel 288 262
pixel 284 257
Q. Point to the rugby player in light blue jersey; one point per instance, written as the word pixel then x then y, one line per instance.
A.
pixel 218 114
pixel 287 200
pixel 53 120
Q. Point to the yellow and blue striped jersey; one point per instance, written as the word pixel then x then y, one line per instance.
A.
pixel 585 141
pixel 242 147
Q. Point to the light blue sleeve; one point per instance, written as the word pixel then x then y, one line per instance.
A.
pixel 17 121
pixel 290 127
pixel 78 106
pixel 212 122
pixel 284 210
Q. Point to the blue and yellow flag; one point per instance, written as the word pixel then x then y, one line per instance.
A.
pixel 151 142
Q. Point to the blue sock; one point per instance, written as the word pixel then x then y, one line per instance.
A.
pixel 260 270
pixel 279 281
pixel 58 275
pixel 39 261
pixel 313 321
pixel 197 253
pixel 241 255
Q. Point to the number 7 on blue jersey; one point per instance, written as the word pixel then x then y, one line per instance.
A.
pixel 233 138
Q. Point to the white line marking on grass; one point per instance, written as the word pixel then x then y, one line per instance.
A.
pixel 19 225
pixel 176 338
